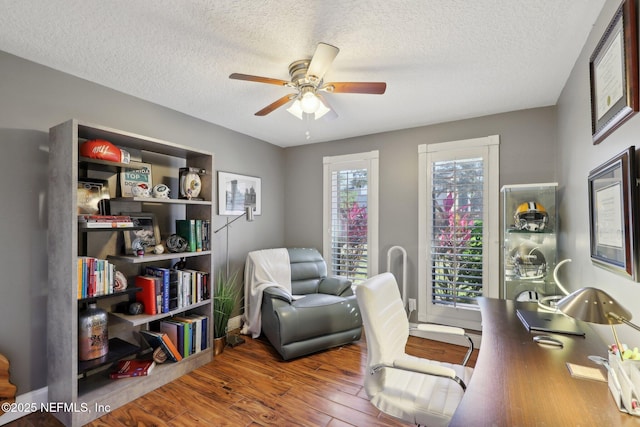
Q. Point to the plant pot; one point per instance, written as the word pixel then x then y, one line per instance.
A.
pixel 218 345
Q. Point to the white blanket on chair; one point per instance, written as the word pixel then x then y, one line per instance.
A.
pixel 265 268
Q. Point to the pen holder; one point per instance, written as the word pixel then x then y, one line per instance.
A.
pixel 623 378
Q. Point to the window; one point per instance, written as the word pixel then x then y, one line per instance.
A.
pixel 458 229
pixel 350 215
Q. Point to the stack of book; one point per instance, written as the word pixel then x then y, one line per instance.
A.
pixel 195 232
pixel 105 221
pixel 165 290
pixel 189 333
pixel 95 277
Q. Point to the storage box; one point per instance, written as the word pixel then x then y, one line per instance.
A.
pixel 624 380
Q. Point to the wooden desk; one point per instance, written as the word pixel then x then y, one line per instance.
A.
pixel 517 382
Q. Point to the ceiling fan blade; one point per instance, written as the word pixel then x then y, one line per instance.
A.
pixel 322 60
pixel 278 82
pixel 374 88
pixel 331 114
pixel 279 103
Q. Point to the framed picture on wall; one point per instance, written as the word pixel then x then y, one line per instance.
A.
pixel 612 200
pixel 613 70
pixel 235 192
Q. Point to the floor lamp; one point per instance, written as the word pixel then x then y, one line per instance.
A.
pixel 248 212
pixel 234 340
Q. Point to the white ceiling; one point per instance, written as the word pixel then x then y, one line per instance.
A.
pixel 443 60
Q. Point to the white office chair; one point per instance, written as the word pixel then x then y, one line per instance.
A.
pixel 416 390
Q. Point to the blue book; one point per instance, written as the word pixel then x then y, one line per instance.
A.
pixel 165 275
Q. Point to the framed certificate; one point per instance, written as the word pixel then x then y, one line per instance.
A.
pixel 614 74
pixel 612 198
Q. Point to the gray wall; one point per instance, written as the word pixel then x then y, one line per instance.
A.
pixel 576 157
pixel 34 98
pixel 527 154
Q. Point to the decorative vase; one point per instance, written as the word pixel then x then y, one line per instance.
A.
pixel 218 345
pixel 93 336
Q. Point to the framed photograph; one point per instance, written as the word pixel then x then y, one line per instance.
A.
pixel 237 191
pixel 612 198
pixel 145 236
pixel 613 69
pixel 90 196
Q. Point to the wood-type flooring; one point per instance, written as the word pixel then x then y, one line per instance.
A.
pixel 250 385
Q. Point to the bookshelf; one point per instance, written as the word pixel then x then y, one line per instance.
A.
pixel 84 387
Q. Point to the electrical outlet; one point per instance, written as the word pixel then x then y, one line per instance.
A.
pixel 412 304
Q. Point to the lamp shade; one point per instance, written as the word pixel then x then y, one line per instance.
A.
pixel 594 306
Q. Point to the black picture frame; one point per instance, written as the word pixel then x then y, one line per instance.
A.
pixel 612 202
pixel 145 229
pixel 613 70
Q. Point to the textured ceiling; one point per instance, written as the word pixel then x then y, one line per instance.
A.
pixel 442 60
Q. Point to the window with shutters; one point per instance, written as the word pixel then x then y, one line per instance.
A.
pixel 458 229
pixel 350 215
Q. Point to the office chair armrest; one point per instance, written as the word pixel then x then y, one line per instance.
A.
pixel 424 367
pixel 451 330
pixel 440 329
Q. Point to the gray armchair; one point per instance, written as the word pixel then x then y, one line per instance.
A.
pixel 320 312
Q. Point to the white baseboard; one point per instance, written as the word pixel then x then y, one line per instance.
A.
pixel 234 323
pixel 449 339
pixel 31 400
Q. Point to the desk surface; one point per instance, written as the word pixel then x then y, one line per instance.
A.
pixel 517 382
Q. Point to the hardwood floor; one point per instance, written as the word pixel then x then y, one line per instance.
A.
pixel 249 385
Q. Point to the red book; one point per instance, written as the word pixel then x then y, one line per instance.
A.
pixel 147 296
pixel 132 368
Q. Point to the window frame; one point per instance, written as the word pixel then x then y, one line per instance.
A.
pixel 367 160
pixel 488 149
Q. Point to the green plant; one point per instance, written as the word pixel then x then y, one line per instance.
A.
pixel 225 299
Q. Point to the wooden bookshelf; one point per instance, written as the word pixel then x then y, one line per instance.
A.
pixel 69 380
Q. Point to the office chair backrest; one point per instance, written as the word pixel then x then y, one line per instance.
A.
pixel 385 324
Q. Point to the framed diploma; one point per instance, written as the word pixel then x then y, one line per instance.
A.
pixel 612 198
pixel 613 69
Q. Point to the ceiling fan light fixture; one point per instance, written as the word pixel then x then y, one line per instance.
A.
pixel 296 109
pixel 309 102
pixel 321 111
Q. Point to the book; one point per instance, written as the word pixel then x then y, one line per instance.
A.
pixel 175 332
pixel 132 368
pixel 186 228
pixel 147 296
pixel 198 235
pixel 105 224
pixel 165 276
pixel 104 218
pixel 162 340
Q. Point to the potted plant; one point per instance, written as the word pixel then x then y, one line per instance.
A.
pixel 225 298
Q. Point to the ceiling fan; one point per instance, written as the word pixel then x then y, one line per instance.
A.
pixel 307 79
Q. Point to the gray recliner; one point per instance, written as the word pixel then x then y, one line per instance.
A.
pixel 326 316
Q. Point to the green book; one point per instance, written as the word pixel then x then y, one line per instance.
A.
pixel 187 228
